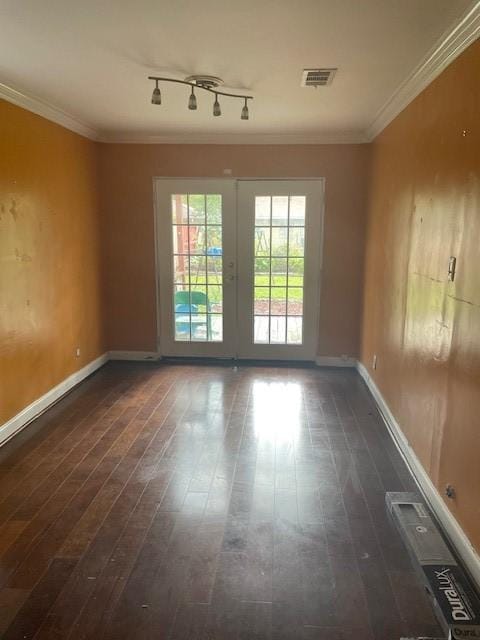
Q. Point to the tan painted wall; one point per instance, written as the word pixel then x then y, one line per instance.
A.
pixel 50 299
pixel 126 178
pixel 425 207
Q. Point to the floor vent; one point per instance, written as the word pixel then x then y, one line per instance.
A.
pixel 455 602
pixel 317 77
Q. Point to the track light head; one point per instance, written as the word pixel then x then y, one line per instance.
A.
pixel 156 95
pixel 192 101
pixel 216 107
pixel 204 83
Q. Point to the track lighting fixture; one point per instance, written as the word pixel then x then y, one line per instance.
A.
pixel 156 95
pixel 207 83
pixel 244 115
pixel 192 101
pixel 216 107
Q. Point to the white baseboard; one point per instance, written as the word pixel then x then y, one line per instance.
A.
pixel 335 361
pixel 22 419
pixel 134 355
pixel 37 407
pixel 457 537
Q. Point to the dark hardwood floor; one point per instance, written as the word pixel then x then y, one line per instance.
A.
pixel 206 502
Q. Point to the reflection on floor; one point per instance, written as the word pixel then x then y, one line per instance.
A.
pixel 206 502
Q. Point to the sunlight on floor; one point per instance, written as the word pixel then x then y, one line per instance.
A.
pixel 277 410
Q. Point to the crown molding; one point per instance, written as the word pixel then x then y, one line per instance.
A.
pixel 449 47
pixel 352 137
pixel 52 113
pixel 46 110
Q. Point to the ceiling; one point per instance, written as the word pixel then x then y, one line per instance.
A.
pixel 91 59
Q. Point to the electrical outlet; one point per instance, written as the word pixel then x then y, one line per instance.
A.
pixel 77 352
pixel 374 361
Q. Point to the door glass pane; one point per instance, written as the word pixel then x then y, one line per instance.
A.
pixel 262 272
pixel 262 211
pixel 277 329
pixel 262 301
pixel 279 269
pixel 179 209
pixel 297 211
pixel 296 241
pixel 197 267
pixel 295 301
pixel 214 209
pixel 279 272
pixel 197 239
pixel 262 241
pixel 261 329
pixel 216 327
pixel 295 271
pixel 294 330
pixel 181 274
pixel 280 211
pixel 214 269
pixel 180 239
pixel 279 241
pixel 214 240
pixel 196 209
pixel 215 297
pixel 278 301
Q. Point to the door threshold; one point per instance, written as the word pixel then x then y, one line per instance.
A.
pixel 238 362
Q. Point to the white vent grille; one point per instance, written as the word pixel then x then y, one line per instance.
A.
pixel 317 77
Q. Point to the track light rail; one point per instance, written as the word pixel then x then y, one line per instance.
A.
pixel 199 86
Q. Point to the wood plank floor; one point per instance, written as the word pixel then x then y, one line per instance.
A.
pixel 206 502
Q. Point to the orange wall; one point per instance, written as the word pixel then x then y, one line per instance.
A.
pixel 127 205
pixel 50 299
pixel 424 208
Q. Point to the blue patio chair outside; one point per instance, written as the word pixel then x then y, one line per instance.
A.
pixel 187 303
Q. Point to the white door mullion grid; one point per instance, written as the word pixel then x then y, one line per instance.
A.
pixel 188 323
pixel 277 347
pixel 250 295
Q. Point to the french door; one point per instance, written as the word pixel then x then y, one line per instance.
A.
pixel 239 267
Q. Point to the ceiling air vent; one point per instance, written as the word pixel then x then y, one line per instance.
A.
pixel 317 77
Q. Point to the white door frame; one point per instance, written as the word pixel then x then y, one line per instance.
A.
pixel 314 189
pixel 166 345
pixel 318 257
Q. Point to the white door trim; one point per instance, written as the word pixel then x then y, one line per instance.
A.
pixel 236 180
pixel 308 350
pixel 166 345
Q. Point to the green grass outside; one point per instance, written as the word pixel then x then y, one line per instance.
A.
pixel 215 291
